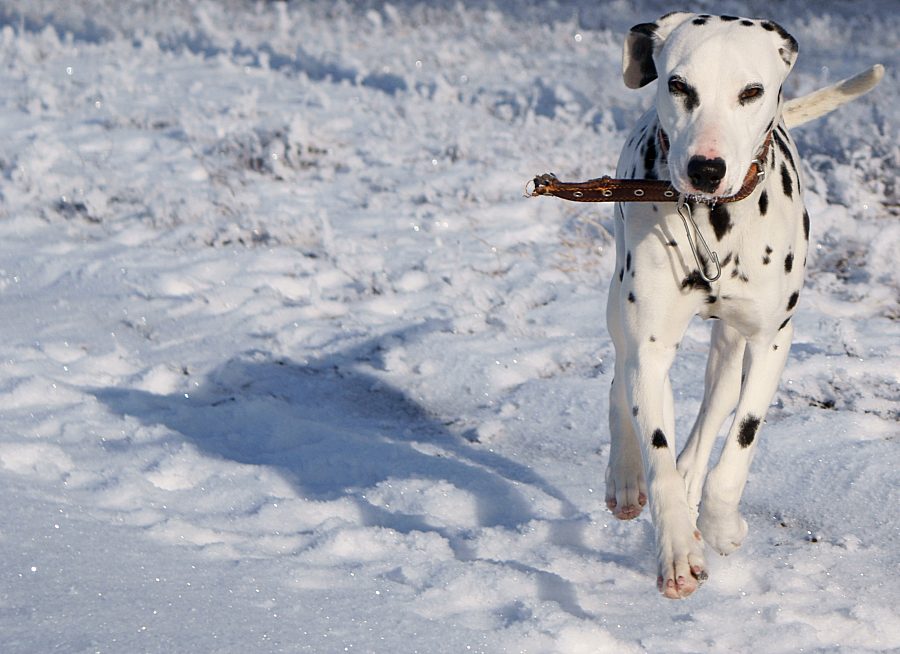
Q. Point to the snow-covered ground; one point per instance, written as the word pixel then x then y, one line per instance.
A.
pixel 288 364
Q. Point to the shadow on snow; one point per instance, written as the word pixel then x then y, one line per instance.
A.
pixel 333 431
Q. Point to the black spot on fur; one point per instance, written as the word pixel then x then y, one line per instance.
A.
pixel 748 23
pixel 786 183
pixel 792 301
pixel 721 220
pixel 634 411
pixel 784 324
pixel 650 159
pixel 782 145
pixel 763 203
pixel 789 262
pixel 659 439
pixel 621 274
pixel 790 41
pixel 699 21
pixel 748 429
pixel 775 347
pixel 691 98
pixel 766 260
pixel 631 298
pixel 766 25
pixel 672 243
pixel 728 18
pixel 737 272
pixel 768 249
pixel 805 228
pixel 652 339
pixel 688 94
pixel 695 281
pixel 628 261
pixel 726 260
pixel 711 299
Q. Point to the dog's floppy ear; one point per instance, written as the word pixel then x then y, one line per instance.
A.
pixel 638 68
pixel 787 44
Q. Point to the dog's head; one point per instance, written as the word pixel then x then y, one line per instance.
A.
pixel 719 92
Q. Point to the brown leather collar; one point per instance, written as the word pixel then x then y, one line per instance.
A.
pixel 614 189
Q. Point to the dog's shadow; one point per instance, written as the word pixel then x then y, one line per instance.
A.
pixel 332 430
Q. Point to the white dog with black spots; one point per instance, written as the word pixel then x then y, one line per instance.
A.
pixel 718 107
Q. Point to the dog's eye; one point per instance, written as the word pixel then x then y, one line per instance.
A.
pixel 677 86
pixel 750 93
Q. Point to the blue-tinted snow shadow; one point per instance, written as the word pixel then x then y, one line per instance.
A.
pixel 333 430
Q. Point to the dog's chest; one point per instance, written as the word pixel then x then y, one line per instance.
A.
pixel 761 259
pixel 760 242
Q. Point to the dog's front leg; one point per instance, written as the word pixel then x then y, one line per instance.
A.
pixel 679 545
pixel 720 521
pixel 721 392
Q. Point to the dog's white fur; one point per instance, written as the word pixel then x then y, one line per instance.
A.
pixel 762 242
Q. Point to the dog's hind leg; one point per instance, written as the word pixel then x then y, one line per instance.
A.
pixel 720 396
pixel 720 522
pixel 626 491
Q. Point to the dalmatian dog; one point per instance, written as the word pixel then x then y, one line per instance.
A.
pixel 718 108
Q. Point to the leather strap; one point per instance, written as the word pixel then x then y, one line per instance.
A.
pixel 616 189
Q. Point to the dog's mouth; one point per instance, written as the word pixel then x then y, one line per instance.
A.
pixel 704 195
pixel 714 187
pixel 705 198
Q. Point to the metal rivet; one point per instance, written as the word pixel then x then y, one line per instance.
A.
pixel 577 194
pixel 669 194
pixel 638 192
pixel 607 193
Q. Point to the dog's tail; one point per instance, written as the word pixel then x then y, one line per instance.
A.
pixel 818 103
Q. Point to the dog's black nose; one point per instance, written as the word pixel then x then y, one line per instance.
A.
pixel 705 174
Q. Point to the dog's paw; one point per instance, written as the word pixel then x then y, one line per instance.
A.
pixel 682 569
pixel 626 492
pixel 723 529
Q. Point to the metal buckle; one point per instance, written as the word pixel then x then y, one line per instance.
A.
pixel 684 210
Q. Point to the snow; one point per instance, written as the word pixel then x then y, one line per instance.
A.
pixel 290 365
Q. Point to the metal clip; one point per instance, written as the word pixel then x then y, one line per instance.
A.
pixel 684 210
pixel 761 167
